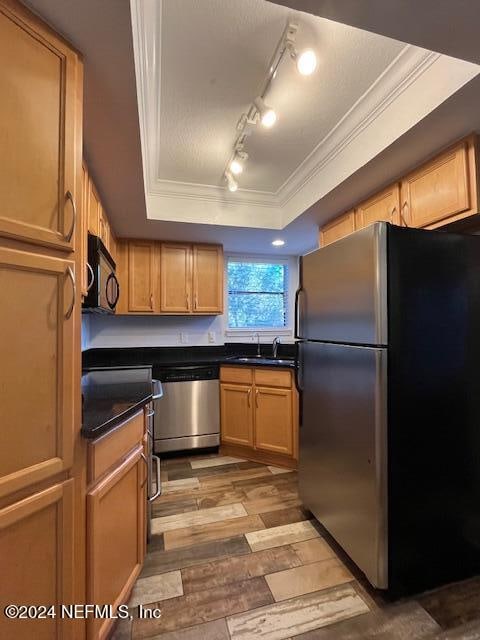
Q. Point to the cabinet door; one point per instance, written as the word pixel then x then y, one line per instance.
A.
pixel 273 420
pixel 36 560
pixel 37 131
pixel 236 406
pixel 36 373
pixel 207 279
pixel 176 278
pixel 438 190
pixel 382 206
pixel 115 526
pixel 337 229
pixel 141 276
pixel 93 209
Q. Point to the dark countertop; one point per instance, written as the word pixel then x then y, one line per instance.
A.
pixel 110 395
pixel 160 357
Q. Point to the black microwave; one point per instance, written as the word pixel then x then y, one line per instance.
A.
pixel 103 287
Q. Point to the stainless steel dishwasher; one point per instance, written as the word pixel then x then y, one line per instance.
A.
pixel 188 415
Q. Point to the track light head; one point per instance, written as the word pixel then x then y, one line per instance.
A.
pixel 231 182
pixel 236 165
pixel 268 117
pixel 306 62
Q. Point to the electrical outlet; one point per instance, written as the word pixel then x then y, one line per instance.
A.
pixel 211 336
pixel 184 337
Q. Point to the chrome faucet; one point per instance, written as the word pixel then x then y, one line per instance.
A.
pixel 256 335
pixel 275 343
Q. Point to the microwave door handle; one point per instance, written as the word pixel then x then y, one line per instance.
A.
pixel 111 277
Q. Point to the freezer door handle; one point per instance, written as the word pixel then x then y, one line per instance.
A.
pixel 296 329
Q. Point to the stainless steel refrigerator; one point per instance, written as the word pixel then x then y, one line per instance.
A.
pixel 388 324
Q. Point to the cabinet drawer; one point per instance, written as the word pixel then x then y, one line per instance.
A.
pixel 273 377
pixel 110 448
pixel 243 375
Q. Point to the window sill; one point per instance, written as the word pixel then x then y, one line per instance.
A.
pixel 249 333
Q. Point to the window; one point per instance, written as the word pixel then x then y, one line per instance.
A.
pixel 257 293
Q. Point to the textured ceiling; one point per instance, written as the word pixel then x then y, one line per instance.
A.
pixel 214 56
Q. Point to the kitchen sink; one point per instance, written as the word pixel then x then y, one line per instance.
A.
pixel 264 360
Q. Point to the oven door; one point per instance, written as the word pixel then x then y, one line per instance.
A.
pixel 108 286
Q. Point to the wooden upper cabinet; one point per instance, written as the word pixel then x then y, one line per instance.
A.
pixel 38 84
pixel 176 278
pixel 207 279
pixel 36 375
pixel 236 405
pixel 445 187
pixel 93 209
pixel 273 420
pixel 141 276
pixel 338 228
pixel 382 206
pixel 115 530
pixel 36 548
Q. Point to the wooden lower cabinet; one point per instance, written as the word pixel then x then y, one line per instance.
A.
pixel 273 420
pixel 236 414
pixel 259 414
pixel 115 537
pixel 36 561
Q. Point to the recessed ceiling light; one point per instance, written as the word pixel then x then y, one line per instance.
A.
pixel 307 62
pixel 278 243
pixel 268 117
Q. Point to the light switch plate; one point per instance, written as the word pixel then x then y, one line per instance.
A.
pixel 211 336
pixel 184 337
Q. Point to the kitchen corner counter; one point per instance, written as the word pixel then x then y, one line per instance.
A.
pixel 110 395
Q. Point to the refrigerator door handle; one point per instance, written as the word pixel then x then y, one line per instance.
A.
pixel 297 313
pixel 299 370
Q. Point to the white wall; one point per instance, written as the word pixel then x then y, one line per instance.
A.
pixel 165 331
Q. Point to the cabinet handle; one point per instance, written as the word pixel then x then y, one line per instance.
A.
pixel 249 394
pixel 151 301
pixel 196 302
pixel 256 398
pixel 402 217
pixel 69 274
pixel 392 213
pixel 188 300
pixel 70 197
pixel 142 455
pixel 92 276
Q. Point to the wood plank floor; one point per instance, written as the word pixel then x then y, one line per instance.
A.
pixel 235 556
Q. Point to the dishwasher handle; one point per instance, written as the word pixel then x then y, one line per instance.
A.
pixel 158 487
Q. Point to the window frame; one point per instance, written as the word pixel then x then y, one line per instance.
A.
pixel 290 290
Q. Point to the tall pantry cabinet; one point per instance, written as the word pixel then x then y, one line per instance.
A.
pixel 40 403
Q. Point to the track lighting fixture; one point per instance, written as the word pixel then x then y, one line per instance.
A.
pixel 268 117
pixel 231 182
pixel 259 112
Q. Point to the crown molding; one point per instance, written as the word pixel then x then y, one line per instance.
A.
pixel 404 70
pixel 342 151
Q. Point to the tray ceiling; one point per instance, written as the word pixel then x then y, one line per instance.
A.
pixel 200 63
